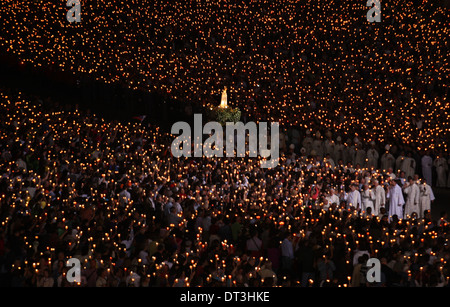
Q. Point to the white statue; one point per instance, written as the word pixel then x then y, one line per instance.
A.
pixel 223 100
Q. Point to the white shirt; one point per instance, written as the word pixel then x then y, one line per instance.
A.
pixel 396 201
pixel 354 199
pixel 333 199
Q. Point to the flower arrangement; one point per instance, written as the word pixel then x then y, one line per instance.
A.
pixel 223 115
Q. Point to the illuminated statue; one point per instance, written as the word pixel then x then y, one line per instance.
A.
pixel 223 100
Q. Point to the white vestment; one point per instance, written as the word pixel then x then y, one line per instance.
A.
pixel 354 199
pixel 387 161
pixel 380 199
pixel 368 199
pixel 349 154
pixel 412 199
pixel 396 201
pixel 441 170
pixel 426 196
pixel 333 199
pixel 317 146
pixel 409 167
pixel 329 147
pixel 427 163
pixel 372 158
pixel 360 158
pixel 399 163
pixel 307 144
pixel 339 152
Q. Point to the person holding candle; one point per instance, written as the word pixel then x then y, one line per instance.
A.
pixel 367 198
pixel 427 165
pixel 412 191
pixel 380 197
pixel 426 197
pixel 353 198
pixel 395 199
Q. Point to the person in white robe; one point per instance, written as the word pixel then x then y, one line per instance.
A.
pixel 396 200
pixel 387 160
pixel 412 191
pixel 353 198
pixel 317 145
pixel 380 197
pixel 427 164
pixel 332 197
pixel 399 161
pixel 338 150
pixel 360 156
pixel 409 166
pixel 307 142
pixel 349 152
pixel 440 163
pixel 367 198
pixel 329 161
pixel 426 197
pixel 328 144
pixel 372 156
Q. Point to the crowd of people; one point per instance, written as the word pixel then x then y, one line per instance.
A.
pixel 365 127
pixel 111 195
pixel 316 64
